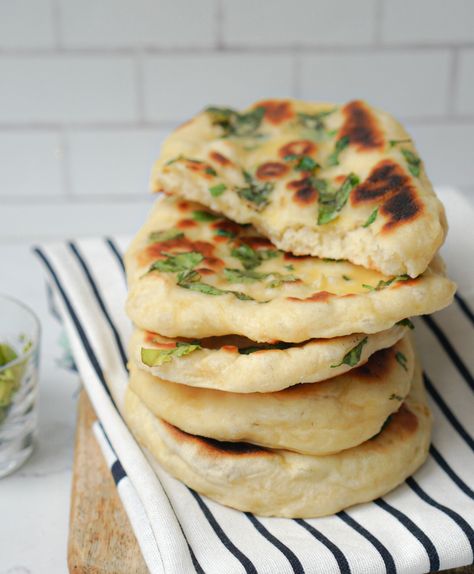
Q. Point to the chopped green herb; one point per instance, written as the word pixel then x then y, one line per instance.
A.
pixel 346 278
pixel 251 258
pixel 201 215
pixel 10 378
pixel 168 235
pixel 235 124
pixel 183 158
pixel 281 346
pixel 394 397
pixel 255 192
pixel 226 233
pixel 156 357
pixel 290 267
pixel 191 280
pixel 315 123
pixel 210 170
pixel 303 162
pixel 413 161
pixel 382 284
pixel 248 276
pixel 277 279
pixel 243 275
pixel 320 184
pixel 341 145
pixel 406 323
pixel 332 260
pixel 27 344
pixel 177 262
pixel 401 360
pixel 393 143
pixel 331 203
pixel 218 189
pixel 353 356
pixel 7 354
pixel 175 159
pixel 372 218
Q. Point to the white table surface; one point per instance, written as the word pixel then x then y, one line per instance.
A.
pixel 34 501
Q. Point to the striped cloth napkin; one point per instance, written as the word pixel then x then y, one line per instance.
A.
pixel 422 526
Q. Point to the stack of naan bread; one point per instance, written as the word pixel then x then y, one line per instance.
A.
pixel 272 367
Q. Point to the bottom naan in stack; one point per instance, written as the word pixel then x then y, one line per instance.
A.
pixel 275 482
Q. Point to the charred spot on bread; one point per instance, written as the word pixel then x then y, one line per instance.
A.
pixel 361 127
pixel 402 207
pixel 276 111
pixel 271 170
pixel 219 158
pixel 388 182
pixel 297 148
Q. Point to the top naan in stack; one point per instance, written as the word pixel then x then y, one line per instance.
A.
pixel 342 182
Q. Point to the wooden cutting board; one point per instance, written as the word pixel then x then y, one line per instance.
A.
pixel 101 540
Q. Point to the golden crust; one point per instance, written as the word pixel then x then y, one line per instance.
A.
pixel 410 225
pixel 282 483
pixel 314 418
pixel 292 299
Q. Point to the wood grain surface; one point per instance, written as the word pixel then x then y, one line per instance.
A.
pixel 101 540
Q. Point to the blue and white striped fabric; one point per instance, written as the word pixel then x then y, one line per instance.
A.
pixel 424 525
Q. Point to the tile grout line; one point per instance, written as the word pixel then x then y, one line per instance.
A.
pixel 56 20
pixel 139 83
pixel 452 83
pixel 66 180
pixel 437 120
pixel 296 75
pixel 75 199
pixel 229 49
pixel 378 20
pixel 219 24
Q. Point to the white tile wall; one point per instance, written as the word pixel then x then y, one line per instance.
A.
pixel 428 21
pixel 30 164
pixel 135 23
pixel 89 89
pixel 113 162
pixel 405 83
pixel 67 88
pixel 448 152
pixel 52 220
pixel 177 87
pixel 26 24
pixel 465 87
pixel 299 22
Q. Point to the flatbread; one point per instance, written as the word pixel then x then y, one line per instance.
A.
pixel 283 483
pixel 313 418
pixel 236 364
pixel 320 179
pixel 195 274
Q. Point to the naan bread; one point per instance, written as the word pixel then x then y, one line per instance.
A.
pixel 236 364
pixel 283 483
pixel 313 418
pixel 317 179
pixel 195 274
